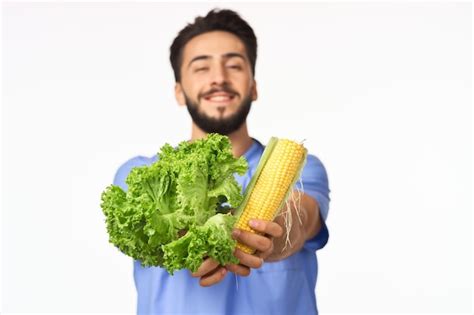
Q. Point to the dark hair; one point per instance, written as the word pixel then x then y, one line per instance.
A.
pixel 215 20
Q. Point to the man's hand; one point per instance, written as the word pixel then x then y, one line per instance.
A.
pixel 212 273
pixel 263 244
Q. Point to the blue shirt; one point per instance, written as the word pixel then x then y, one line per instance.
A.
pixel 283 287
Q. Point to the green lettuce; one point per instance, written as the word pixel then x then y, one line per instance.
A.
pixel 212 239
pixel 174 211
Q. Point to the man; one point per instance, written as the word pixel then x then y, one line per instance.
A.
pixel 214 65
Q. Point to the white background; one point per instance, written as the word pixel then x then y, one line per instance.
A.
pixel 381 93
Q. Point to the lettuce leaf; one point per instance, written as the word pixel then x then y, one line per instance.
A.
pixel 182 192
pixel 212 239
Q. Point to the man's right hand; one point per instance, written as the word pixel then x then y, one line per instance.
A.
pixel 212 273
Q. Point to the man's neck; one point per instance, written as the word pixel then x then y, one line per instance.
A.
pixel 240 139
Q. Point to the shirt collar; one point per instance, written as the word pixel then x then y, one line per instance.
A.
pixel 255 150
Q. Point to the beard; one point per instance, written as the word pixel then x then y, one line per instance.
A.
pixel 223 126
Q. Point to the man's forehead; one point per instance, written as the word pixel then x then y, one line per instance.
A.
pixel 215 44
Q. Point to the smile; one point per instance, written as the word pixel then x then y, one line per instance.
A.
pixel 219 97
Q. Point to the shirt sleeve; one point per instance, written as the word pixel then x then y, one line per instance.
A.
pixel 125 168
pixel 314 182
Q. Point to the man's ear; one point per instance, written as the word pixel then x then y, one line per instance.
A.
pixel 179 94
pixel 254 91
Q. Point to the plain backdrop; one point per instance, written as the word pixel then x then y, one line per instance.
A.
pixel 381 93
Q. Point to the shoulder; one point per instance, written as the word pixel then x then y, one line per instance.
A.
pixel 125 168
pixel 314 168
pixel 314 182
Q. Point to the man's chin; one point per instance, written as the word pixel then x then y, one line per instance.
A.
pixel 219 112
pixel 223 127
pixel 221 118
pixel 224 122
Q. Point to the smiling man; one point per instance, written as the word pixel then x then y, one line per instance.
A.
pixel 213 60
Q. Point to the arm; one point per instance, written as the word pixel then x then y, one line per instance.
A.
pixel 302 229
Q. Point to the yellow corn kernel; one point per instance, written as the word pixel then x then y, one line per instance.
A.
pixel 273 184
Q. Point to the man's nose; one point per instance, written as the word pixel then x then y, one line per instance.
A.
pixel 218 75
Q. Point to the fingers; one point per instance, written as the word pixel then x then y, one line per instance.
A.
pixel 258 242
pixel 265 254
pixel 207 266
pixel 250 261
pixel 210 273
pixel 240 270
pixel 266 227
pixel 263 244
pixel 247 262
pixel 214 277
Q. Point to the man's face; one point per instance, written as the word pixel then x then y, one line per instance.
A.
pixel 217 84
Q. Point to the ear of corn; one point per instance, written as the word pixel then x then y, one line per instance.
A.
pixel 279 168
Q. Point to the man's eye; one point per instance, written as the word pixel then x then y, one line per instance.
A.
pixel 201 69
pixel 237 67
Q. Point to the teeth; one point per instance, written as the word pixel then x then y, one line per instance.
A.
pixel 219 98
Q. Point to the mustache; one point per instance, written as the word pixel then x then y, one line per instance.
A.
pixel 224 88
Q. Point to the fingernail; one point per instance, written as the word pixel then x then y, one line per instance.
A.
pixel 223 271
pixel 253 224
pixel 235 233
